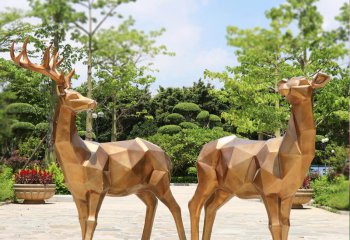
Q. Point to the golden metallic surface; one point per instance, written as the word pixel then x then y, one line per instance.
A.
pixel 92 170
pixel 273 169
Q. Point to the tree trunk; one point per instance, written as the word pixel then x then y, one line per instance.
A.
pixel 114 121
pixel 89 80
pixel 50 152
pixel 260 136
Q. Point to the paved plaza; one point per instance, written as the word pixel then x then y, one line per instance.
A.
pixel 122 218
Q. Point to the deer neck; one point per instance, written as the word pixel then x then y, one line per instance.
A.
pixel 68 145
pixel 299 139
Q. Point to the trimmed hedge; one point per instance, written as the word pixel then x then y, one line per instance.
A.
pixel 20 127
pixel 187 109
pixel 41 128
pixel 218 129
pixel 203 116
pixel 214 120
pixel 175 118
pixel 187 179
pixel 192 171
pixel 20 108
pixel 188 125
pixel 169 129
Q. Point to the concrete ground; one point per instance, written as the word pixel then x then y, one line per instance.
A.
pixel 122 218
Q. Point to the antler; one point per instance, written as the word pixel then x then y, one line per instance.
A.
pixel 48 68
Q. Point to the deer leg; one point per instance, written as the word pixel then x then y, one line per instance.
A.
pixel 163 192
pixel 273 205
pixel 207 184
pixel 218 199
pixel 82 208
pixel 95 200
pixel 151 203
pixel 286 206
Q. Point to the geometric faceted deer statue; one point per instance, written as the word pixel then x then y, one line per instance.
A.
pixel 92 170
pixel 273 169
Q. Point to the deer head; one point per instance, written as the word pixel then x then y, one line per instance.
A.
pixel 69 98
pixel 299 89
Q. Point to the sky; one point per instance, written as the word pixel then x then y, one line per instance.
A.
pixel 195 31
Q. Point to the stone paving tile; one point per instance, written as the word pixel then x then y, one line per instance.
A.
pixel 122 219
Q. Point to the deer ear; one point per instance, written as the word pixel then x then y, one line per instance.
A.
pixel 282 87
pixel 319 80
pixel 60 90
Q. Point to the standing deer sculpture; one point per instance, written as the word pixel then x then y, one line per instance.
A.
pixel 92 170
pixel 273 169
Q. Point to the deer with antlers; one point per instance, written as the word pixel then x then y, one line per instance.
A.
pixel 92 170
pixel 273 169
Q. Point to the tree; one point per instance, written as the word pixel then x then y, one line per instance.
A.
pixel 86 36
pixel 266 56
pixel 120 55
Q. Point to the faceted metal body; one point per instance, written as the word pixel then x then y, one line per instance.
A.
pixel 92 170
pixel 273 169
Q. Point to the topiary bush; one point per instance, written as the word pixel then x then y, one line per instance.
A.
pixel 22 128
pixel 192 171
pixel 20 108
pixel 41 128
pixel 183 147
pixel 175 118
pixel 169 129
pixel 203 118
pixel 218 129
pixel 214 121
pixel 147 128
pixel 6 183
pixel 188 125
pixel 187 109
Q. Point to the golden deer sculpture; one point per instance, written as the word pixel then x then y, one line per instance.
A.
pixel 92 170
pixel 273 169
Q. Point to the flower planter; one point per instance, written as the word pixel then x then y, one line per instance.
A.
pixel 302 196
pixel 34 193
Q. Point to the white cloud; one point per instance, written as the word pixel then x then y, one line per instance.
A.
pixel 329 9
pixel 214 59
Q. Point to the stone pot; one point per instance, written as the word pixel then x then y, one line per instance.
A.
pixel 34 193
pixel 302 196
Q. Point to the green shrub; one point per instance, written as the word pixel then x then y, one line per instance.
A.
pixel 6 183
pixel 192 171
pixel 203 118
pixel 27 147
pixel 58 179
pixel 184 147
pixel 20 108
pixel 147 128
pixel 20 128
pixel 187 109
pixel 82 134
pixel 175 118
pixel 186 179
pixel 336 157
pixel 333 194
pixel 218 129
pixel 169 129
pixel 41 128
pixel 214 120
pixel 188 125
